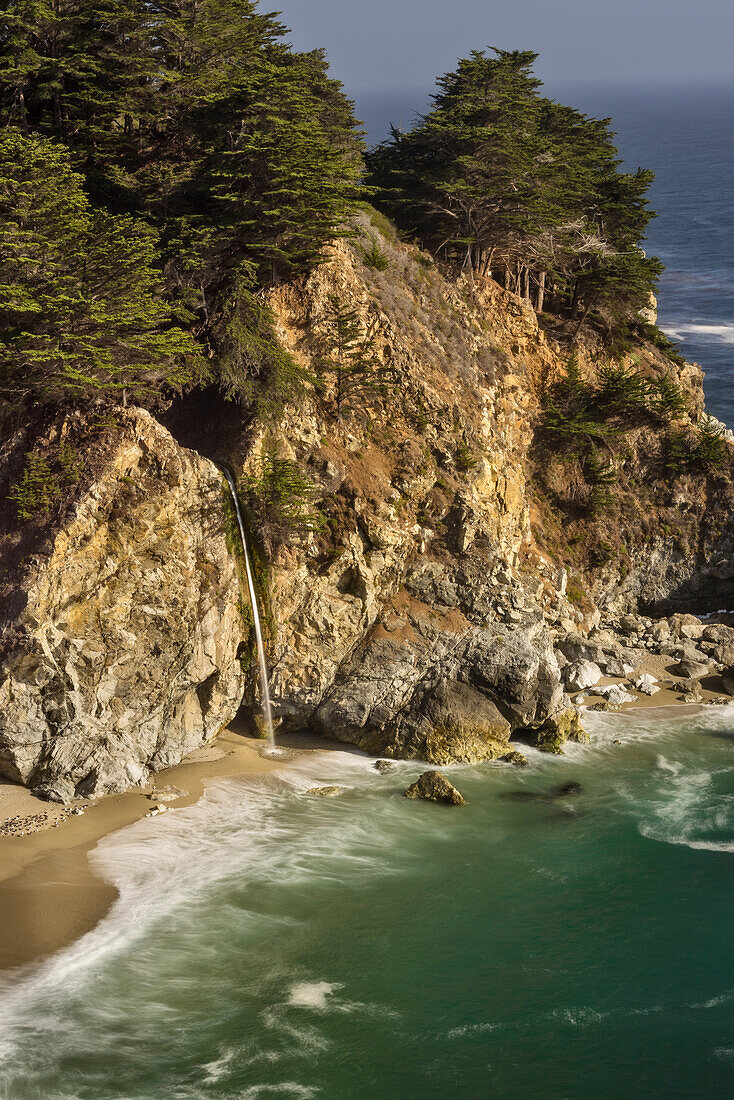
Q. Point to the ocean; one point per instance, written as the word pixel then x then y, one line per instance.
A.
pixel 532 945
pixel 686 135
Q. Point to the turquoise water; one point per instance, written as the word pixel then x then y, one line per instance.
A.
pixel 271 944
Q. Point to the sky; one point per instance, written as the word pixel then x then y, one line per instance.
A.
pixel 405 44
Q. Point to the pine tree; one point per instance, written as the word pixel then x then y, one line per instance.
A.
pixel 348 354
pixel 80 304
pixel 499 180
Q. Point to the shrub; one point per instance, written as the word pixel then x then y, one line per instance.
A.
pixel 463 457
pixel 375 257
pixel 667 399
pixel 45 481
pixel 285 497
pixel 711 450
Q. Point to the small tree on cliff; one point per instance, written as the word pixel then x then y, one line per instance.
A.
pixel 348 354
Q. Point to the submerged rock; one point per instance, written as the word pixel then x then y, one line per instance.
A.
pixel 434 787
pixel 384 766
pixel 327 792
pixel 519 759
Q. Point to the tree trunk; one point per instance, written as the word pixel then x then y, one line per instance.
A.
pixel 540 301
pixel 526 283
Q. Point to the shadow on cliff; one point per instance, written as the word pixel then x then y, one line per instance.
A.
pixel 206 422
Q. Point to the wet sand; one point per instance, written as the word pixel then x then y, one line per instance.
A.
pixel 48 893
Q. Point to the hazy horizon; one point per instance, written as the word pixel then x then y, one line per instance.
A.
pixel 403 45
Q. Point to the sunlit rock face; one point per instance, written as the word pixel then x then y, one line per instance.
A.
pixel 126 652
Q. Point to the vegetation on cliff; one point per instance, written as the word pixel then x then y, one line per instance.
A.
pixel 190 158
pixel 500 180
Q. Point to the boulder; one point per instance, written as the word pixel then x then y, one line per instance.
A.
pixel 722 654
pixel 615 695
pixel 519 759
pixel 581 675
pixel 646 683
pixel 440 694
pixel 691 670
pixel 434 787
pixel 719 634
pixel 384 766
pixel 631 624
pixel 615 666
pixel 552 734
pixel 727 679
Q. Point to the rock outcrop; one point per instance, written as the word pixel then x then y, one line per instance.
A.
pixel 125 657
pixel 436 614
pixel 434 787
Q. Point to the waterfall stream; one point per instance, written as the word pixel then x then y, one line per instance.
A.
pixel 265 689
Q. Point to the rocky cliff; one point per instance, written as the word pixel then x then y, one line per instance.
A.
pixel 124 657
pixel 431 615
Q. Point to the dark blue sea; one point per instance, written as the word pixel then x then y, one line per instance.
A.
pixel 686 135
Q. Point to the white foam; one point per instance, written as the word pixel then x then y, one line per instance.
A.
pixel 312 994
pixel 285 1088
pixel 473 1029
pixel 715 333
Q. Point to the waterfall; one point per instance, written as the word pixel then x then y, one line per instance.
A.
pixel 265 689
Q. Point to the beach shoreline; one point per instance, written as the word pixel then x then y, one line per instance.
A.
pixel 49 894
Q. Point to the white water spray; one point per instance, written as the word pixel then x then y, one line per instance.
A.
pixel 265 689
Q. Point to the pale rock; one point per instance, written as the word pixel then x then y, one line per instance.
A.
pixel 581 675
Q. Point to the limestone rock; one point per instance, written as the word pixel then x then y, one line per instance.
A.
pixel 552 735
pixel 127 650
pixel 727 679
pixel 519 759
pixel 434 787
pixel 615 695
pixel 582 675
pixel 646 683
pixel 692 670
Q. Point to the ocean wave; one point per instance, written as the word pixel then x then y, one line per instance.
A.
pixel 186 881
pixel 705 333
pixel 685 808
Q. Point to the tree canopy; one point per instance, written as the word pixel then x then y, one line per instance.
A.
pixel 188 144
pixel 498 179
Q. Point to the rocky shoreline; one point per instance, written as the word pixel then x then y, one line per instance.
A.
pixel 438 611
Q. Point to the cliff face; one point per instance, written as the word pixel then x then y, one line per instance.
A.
pixel 430 618
pixel 125 656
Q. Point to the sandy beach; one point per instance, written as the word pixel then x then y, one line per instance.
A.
pixel 48 893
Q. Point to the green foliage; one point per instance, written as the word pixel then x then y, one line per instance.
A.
pixel 375 257
pixel 208 148
pixel 46 479
pixel 666 398
pixel 251 365
pixel 464 459
pixel 347 352
pixel 285 497
pixel 621 390
pixel 497 178
pixel 80 304
pixel 711 451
